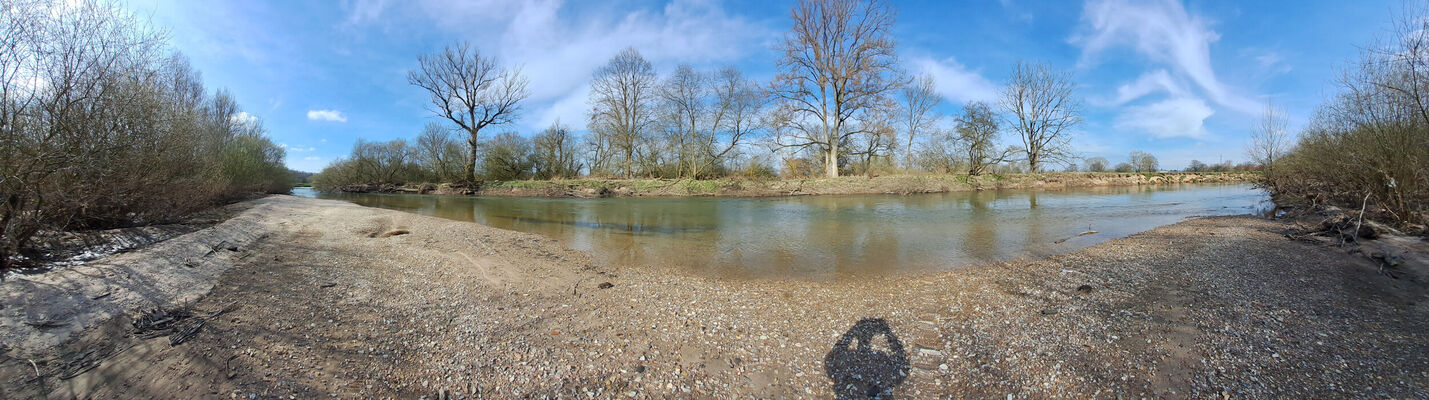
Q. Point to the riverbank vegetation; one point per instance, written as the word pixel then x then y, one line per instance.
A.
pixel 844 185
pixel 826 114
pixel 102 125
pixel 1368 147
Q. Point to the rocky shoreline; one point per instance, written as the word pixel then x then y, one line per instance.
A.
pixel 334 299
pixel 896 184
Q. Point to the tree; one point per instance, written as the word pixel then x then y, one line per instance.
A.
pixel 439 153
pixel 471 91
pixel 739 109
pixel 1125 167
pixel 1270 139
pixel 1096 164
pixel 977 131
pixel 508 157
pixel 1197 166
pixel 1044 109
pixel 684 117
pixel 555 153
pixel 1143 162
pixel 621 96
pixel 837 62
pixel 919 99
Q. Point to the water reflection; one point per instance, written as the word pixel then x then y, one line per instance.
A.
pixel 821 237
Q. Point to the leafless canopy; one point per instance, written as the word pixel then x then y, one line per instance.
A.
pixel 1044 109
pixel 919 116
pixel 1270 139
pixel 622 96
pixel 471 91
pixel 838 61
pixel 977 133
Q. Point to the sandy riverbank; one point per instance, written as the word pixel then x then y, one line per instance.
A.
pixel 894 184
pixel 327 299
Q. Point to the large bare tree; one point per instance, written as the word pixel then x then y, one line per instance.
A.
pixel 918 114
pixel 838 61
pixel 1044 110
pixel 622 96
pixel 471 90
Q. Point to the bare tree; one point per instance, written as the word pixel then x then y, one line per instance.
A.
pixel 622 97
pixel 439 152
pixel 874 150
pixel 1097 164
pixel 1270 139
pixel 838 61
pixel 684 114
pixel 1143 162
pixel 470 90
pixel 1044 110
pixel 555 153
pixel 919 99
pixel 977 131
pixel 738 114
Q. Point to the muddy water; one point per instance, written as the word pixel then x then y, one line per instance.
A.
pixel 825 237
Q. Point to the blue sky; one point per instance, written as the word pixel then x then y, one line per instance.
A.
pixel 1181 79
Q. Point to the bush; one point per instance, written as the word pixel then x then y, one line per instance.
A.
pixel 99 129
pixel 1367 146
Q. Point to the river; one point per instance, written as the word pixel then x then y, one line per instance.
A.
pixel 828 237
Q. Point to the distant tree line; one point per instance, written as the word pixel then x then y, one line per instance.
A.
pixel 840 104
pixel 1368 147
pixel 102 126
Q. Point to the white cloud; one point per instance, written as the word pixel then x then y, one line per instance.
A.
pixel 956 82
pixel 1175 117
pixel 312 158
pixel 326 115
pixel 1163 32
pixel 243 118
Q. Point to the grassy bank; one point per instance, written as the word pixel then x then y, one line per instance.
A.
pixel 895 184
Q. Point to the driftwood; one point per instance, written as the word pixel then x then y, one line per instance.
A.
pixel 1059 241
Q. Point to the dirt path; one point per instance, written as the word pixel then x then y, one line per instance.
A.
pixel 325 305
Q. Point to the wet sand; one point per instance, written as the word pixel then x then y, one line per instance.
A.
pixel 330 300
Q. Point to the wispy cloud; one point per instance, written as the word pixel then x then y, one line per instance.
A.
pixel 1164 33
pixel 954 81
pixel 564 47
pixel 326 115
pixel 1177 117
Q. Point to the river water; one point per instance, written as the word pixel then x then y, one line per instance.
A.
pixel 829 237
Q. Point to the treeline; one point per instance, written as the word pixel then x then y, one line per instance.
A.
pixel 840 104
pixel 102 126
pixel 1368 147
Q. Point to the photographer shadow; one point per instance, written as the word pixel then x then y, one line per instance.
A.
pixel 859 370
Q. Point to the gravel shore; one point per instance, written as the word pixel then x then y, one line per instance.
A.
pixel 344 301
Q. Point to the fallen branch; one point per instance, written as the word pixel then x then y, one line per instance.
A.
pixel 1363 203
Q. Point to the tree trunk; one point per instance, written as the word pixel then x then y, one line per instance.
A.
pixel 831 161
pixel 471 159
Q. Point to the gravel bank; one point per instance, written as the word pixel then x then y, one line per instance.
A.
pixel 336 301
